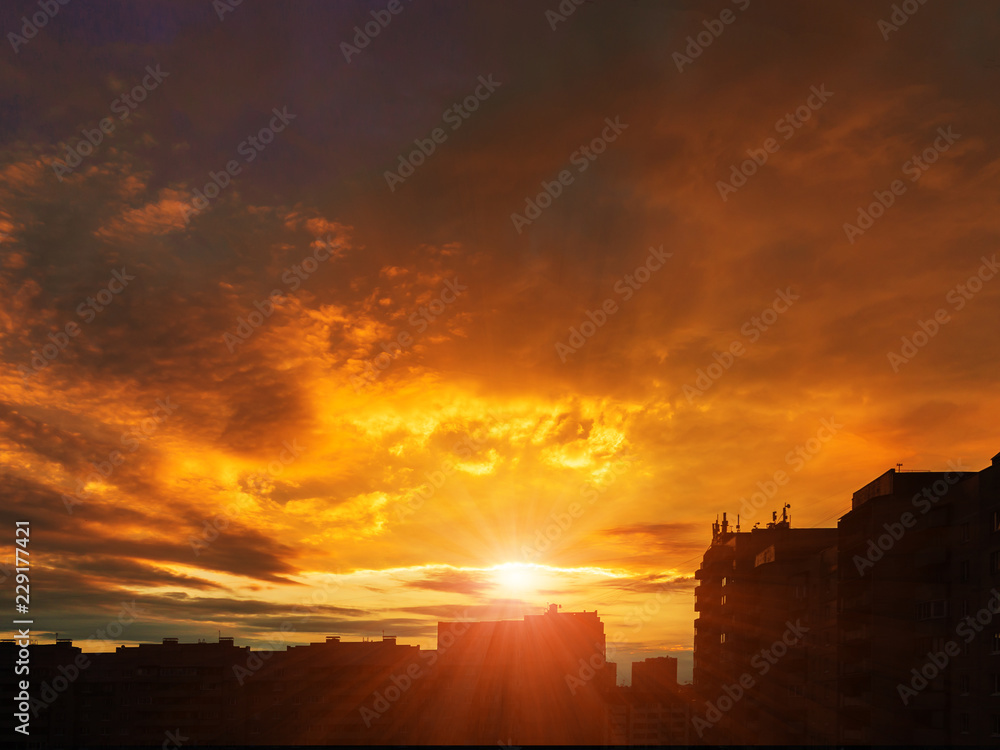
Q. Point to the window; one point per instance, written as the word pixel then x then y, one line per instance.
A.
pixel 963 721
pixel 723 598
pixel 996 642
pixel 996 683
pixel 963 571
pixel 965 532
pixel 965 608
pixel 963 684
pixel 722 637
pixel 724 580
pixel 994 561
pixel 996 725
pixel 996 520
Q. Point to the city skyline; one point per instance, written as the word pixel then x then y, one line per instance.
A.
pixel 797 640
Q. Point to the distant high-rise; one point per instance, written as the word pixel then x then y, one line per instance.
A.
pixel 655 676
pixel 658 709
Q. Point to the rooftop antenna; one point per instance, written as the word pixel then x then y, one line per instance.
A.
pixel 737 523
pixel 899 467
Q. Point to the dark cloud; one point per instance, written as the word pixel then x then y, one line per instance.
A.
pixel 453 581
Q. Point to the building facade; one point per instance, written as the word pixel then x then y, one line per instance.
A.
pixel 919 626
pixel 761 666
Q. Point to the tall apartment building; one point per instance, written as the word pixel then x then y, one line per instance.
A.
pixel 919 626
pixel 763 656
pixel 542 680
pixel 902 608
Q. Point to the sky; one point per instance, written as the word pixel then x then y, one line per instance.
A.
pixel 479 307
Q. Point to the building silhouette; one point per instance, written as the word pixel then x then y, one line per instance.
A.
pixel 883 630
pixel 658 709
pixel 900 613
pixel 763 670
pixel 542 680
pixel 918 565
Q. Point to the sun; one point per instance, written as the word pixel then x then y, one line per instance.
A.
pixel 518 577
